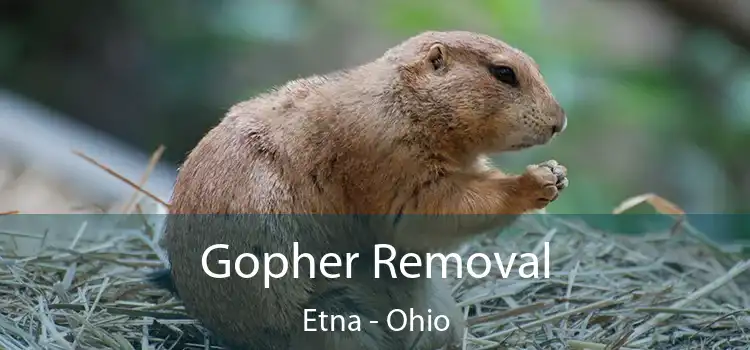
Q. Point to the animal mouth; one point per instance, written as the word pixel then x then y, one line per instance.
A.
pixel 520 146
pixel 531 141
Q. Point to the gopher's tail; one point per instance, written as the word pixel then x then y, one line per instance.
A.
pixel 163 279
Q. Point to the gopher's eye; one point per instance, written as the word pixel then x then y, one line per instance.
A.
pixel 504 74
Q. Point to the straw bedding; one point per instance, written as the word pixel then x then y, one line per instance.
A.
pixel 656 291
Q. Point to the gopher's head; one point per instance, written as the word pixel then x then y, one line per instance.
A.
pixel 479 88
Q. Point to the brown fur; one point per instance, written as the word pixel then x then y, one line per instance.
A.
pixel 407 133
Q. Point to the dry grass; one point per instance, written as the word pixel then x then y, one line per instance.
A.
pixel 656 291
pixel 663 291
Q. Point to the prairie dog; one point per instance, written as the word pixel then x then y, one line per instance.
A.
pixel 403 136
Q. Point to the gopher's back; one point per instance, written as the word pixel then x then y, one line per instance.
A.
pixel 315 145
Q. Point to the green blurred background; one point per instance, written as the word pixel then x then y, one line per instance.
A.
pixel 657 92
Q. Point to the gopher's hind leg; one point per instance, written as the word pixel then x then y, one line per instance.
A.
pixel 433 298
pixel 373 300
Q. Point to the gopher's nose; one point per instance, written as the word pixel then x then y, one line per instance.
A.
pixel 560 127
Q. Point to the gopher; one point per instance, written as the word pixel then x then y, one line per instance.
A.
pixel 394 151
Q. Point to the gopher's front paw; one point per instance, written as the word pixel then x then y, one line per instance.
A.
pixel 542 183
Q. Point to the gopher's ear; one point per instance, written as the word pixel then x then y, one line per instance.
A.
pixel 437 57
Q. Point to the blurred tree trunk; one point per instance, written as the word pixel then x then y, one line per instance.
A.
pixel 731 17
pixel 728 145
